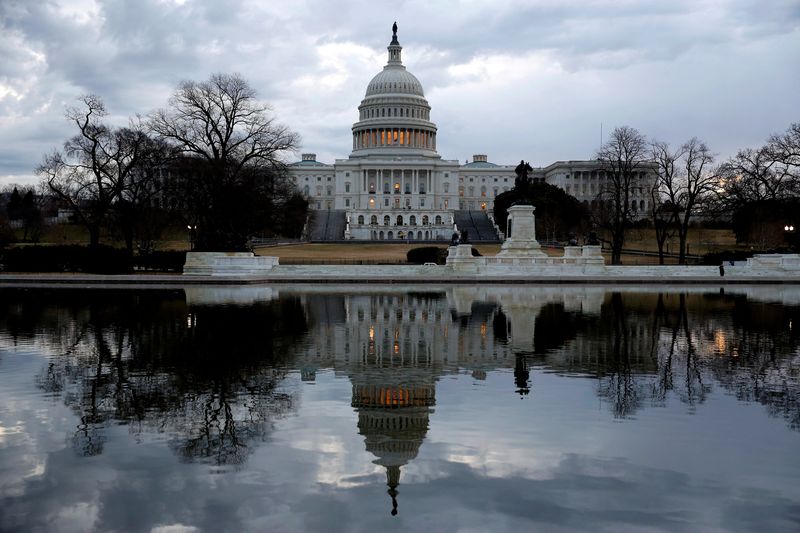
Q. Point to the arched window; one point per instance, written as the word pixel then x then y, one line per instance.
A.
pixel 424 220
pixel 419 235
pixel 360 219
pixel 438 220
pixel 381 235
pixel 390 235
pixel 412 220
pixel 399 220
pixel 374 220
pixel 410 235
pixel 386 220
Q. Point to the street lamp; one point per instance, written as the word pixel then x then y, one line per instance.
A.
pixel 192 234
pixel 789 235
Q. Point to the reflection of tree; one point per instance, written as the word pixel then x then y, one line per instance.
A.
pixel 619 384
pixel 675 349
pixel 210 377
pixel 757 358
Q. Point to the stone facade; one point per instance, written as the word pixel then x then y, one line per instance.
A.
pixel 395 170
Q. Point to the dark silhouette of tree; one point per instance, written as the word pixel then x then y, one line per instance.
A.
pixel 237 149
pixel 684 180
pixel 769 172
pixel 557 213
pixel 761 223
pixel 623 157
pixel 97 166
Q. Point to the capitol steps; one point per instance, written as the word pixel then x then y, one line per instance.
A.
pixel 477 224
pixel 328 225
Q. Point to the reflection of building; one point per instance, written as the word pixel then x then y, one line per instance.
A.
pixel 394 184
pixel 394 345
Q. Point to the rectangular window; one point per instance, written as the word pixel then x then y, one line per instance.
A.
pixel 347 202
pixel 422 202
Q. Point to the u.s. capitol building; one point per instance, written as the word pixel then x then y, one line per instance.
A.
pixel 395 185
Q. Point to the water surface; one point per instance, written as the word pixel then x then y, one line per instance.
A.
pixel 462 409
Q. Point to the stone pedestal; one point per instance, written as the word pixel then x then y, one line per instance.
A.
pixel 227 264
pixel 460 257
pixel 521 233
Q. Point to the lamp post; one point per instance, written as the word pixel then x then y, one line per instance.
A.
pixel 192 235
pixel 789 235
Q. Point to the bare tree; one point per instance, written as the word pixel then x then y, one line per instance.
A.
pixel 770 172
pixel 785 151
pixel 95 166
pixel 684 180
pixel 237 145
pixel 622 158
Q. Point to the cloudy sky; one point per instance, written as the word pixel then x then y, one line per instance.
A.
pixel 512 79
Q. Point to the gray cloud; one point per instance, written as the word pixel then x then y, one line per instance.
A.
pixel 535 79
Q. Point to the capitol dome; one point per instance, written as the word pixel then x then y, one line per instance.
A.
pixel 394 116
pixel 394 79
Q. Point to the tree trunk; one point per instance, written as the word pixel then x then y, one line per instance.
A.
pixel 94 235
pixel 682 233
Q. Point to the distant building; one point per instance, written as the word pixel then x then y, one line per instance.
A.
pixel 394 184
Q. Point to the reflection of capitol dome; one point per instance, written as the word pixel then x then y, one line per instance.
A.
pixel 394 115
pixel 394 421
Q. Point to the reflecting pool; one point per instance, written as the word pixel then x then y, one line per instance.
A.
pixel 404 408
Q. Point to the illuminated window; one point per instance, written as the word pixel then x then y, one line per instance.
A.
pixel 397 188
